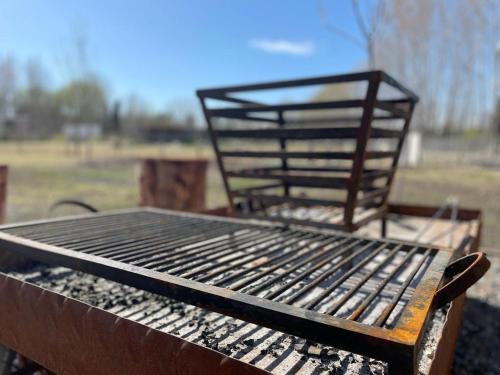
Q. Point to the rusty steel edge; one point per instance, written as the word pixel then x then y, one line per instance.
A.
pixel 445 350
pixel 31 337
pixel 68 336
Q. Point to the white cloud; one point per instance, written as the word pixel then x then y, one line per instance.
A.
pixel 285 47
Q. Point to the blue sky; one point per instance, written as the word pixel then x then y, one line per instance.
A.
pixel 164 50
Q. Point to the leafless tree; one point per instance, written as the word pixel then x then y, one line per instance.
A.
pixel 367 27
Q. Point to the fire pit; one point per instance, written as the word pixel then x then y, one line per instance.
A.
pixel 371 297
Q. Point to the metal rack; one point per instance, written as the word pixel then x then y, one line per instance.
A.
pixel 294 149
pixel 371 297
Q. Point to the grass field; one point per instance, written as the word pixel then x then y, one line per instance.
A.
pixel 42 173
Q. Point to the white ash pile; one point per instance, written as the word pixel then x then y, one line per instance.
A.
pixel 267 349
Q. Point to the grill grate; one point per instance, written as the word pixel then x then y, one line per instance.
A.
pixel 283 278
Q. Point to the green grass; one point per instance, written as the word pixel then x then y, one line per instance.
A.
pixel 42 173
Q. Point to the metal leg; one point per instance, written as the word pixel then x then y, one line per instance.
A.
pixel 383 232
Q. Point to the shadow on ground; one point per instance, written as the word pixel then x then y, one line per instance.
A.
pixel 478 345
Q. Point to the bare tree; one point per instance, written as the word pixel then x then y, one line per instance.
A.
pixel 443 50
pixel 367 26
pixel 8 87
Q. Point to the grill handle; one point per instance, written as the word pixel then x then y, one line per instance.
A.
pixel 462 273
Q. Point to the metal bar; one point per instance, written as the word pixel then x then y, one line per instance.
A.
pixel 273 199
pixel 338 304
pixel 92 237
pixel 362 140
pixel 141 250
pixel 311 270
pixel 296 295
pixel 392 108
pixel 337 119
pixel 351 77
pixel 369 197
pixel 221 112
pixel 289 154
pixel 305 133
pixel 290 133
pixel 291 221
pixel 284 162
pixel 218 156
pixel 42 230
pixel 203 257
pixel 200 250
pixel 173 237
pixel 295 180
pixel 311 304
pixel 394 301
pixel 367 300
pixel 324 245
pixel 392 82
pixel 291 242
pixel 272 250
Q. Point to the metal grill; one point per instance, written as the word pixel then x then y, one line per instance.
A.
pixel 355 293
pixel 338 156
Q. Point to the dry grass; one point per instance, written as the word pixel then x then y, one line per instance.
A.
pixel 42 173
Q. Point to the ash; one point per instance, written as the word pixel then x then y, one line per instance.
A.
pixel 267 349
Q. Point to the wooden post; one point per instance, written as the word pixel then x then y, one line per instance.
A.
pixel 173 183
pixel 3 192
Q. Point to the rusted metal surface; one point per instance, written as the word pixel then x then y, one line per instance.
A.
pixel 70 337
pixel 462 273
pixel 258 273
pixel 445 350
pixel 465 215
pixel 4 170
pixel 177 184
pixel 358 180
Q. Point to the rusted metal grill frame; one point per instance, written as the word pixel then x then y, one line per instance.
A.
pixel 398 346
pixel 359 179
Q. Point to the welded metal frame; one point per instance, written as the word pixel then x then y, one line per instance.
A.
pixel 398 346
pixel 359 179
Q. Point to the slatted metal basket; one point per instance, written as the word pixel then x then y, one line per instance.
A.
pixel 328 162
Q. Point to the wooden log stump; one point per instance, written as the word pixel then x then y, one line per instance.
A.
pixel 3 192
pixel 173 184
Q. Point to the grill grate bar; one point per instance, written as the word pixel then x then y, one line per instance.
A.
pixel 311 270
pixel 272 250
pixel 330 272
pixel 292 242
pixel 52 230
pixel 344 277
pixel 300 253
pixel 204 248
pixel 211 255
pixel 165 242
pixel 338 304
pixel 325 246
pixel 46 227
pixel 361 308
pixel 382 318
pixel 97 239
